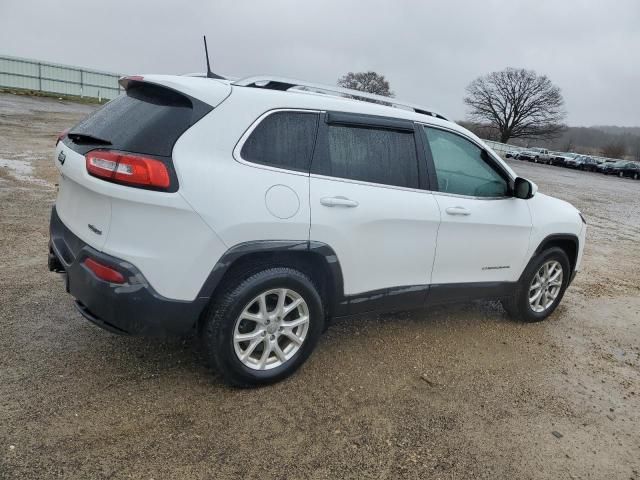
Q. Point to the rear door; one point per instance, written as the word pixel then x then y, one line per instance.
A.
pixel 484 233
pixel 369 202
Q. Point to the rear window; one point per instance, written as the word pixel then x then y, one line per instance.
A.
pixel 147 119
pixel 373 155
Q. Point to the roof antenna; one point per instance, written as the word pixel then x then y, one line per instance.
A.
pixel 210 74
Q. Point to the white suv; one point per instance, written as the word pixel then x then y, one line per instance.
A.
pixel 254 211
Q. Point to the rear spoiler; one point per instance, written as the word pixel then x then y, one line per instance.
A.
pixel 210 91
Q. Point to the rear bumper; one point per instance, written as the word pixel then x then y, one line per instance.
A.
pixel 132 308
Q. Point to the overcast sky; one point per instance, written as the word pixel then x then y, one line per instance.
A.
pixel 428 50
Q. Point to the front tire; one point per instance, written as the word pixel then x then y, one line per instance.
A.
pixel 262 328
pixel 541 286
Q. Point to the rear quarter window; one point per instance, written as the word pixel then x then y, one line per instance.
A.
pixel 284 140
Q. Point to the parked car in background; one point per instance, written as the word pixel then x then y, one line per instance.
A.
pixel 587 163
pixel 573 162
pixel 512 153
pixel 553 156
pixel 632 170
pixel 525 155
pixel 540 155
pixel 602 167
pixel 622 168
pixel 534 155
pixel 559 158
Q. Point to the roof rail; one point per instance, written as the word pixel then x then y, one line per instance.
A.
pixel 284 84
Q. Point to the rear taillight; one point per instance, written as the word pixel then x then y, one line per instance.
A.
pixel 128 169
pixel 61 136
pixel 104 272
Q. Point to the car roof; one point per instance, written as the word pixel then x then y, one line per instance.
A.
pixel 200 87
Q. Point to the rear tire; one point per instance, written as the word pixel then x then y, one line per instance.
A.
pixel 252 308
pixel 521 306
pixel 635 176
pixel 620 174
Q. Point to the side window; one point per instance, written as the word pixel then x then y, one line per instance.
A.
pixel 283 140
pixel 375 155
pixel 460 168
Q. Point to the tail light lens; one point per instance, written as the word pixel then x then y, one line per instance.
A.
pixel 128 169
pixel 61 136
pixel 104 272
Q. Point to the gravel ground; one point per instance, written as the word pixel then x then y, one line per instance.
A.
pixel 455 392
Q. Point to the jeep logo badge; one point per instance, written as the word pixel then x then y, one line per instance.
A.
pixel 61 158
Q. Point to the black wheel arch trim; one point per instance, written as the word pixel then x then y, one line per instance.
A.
pixel 241 250
pixel 558 236
pixel 339 304
pixel 561 237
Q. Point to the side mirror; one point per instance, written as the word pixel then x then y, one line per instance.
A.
pixel 523 188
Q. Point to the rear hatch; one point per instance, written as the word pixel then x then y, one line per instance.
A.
pixel 142 125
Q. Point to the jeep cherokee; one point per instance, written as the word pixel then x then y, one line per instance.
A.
pixel 252 212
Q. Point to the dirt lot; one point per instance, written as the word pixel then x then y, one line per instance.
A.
pixel 78 402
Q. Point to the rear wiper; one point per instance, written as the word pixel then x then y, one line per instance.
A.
pixel 85 138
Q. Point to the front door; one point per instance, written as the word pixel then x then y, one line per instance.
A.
pixel 484 232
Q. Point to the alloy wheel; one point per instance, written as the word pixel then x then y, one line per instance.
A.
pixel 545 286
pixel 271 329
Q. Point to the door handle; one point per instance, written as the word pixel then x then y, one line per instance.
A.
pixel 338 202
pixel 458 211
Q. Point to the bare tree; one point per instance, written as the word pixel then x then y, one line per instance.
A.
pixel 614 150
pixel 569 145
pixel 370 82
pixel 518 103
pixel 483 130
